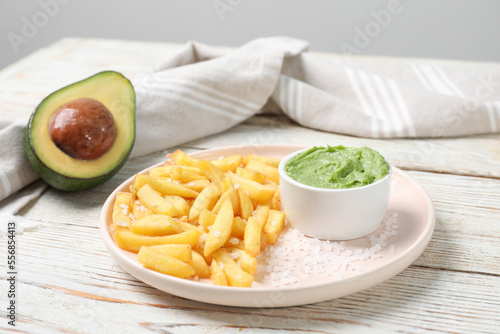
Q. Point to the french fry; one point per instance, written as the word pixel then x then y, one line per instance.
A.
pixel 163 172
pixel 214 174
pixel 252 237
pixel 256 191
pixel 140 211
pixel 185 226
pixel 121 211
pixel 181 252
pixel 163 186
pixel 167 172
pixel 221 228
pixel 270 172
pixel 246 205
pixel 155 225
pixel 140 180
pixel 230 194
pixel 247 262
pixel 131 241
pixel 234 242
pixel 267 160
pixel 238 229
pixel 274 225
pixel 270 184
pixel 133 191
pixel 206 218
pixel 234 274
pixel 263 241
pixel 260 214
pixel 251 174
pixel 205 200
pixel 199 249
pixel 197 185
pixel 228 163
pixel 180 204
pixel 276 201
pixel 217 276
pixel 169 188
pixel 182 159
pixel 150 199
pixel 199 265
pixel 164 263
pixel 182 175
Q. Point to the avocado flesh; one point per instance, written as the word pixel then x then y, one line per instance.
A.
pixel 60 170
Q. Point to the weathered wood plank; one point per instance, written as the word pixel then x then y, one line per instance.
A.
pixel 68 283
pixel 467 233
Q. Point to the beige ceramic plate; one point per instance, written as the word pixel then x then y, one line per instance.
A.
pixel 409 228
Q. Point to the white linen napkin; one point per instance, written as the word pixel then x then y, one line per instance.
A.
pixel 200 91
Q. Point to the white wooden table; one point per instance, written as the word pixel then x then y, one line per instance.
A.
pixel 69 283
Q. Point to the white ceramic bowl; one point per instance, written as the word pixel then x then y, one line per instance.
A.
pixel 334 214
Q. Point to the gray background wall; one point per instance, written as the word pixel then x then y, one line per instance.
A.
pixel 453 29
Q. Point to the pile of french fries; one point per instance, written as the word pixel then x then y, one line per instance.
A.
pixel 202 219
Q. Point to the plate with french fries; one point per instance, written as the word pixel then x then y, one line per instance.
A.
pixel 209 227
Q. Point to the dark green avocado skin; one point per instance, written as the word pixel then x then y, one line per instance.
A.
pixel 67 183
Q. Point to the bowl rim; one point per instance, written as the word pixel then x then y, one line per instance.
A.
pixel 282 173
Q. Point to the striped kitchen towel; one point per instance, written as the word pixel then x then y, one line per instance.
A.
pixel 201 91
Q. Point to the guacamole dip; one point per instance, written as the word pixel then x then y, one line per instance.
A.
pixel 337 167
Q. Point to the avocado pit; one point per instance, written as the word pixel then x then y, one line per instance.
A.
pixel 84 129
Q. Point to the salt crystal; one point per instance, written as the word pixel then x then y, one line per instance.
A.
pixel 395 214
pixel 216 233
pixel 236 186
pixel 234 255
pixel 392 248
pixel 123 206
pixel 131 216
pixel 221 265
pixel 196 278
pixel 295 253
pixel 234 241
pixel 121 222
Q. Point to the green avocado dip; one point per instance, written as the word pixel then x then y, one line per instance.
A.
pixel 337 167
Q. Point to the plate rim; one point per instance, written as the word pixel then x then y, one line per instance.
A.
pixel 402 260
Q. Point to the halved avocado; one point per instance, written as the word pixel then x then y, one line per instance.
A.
pixel 59 169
